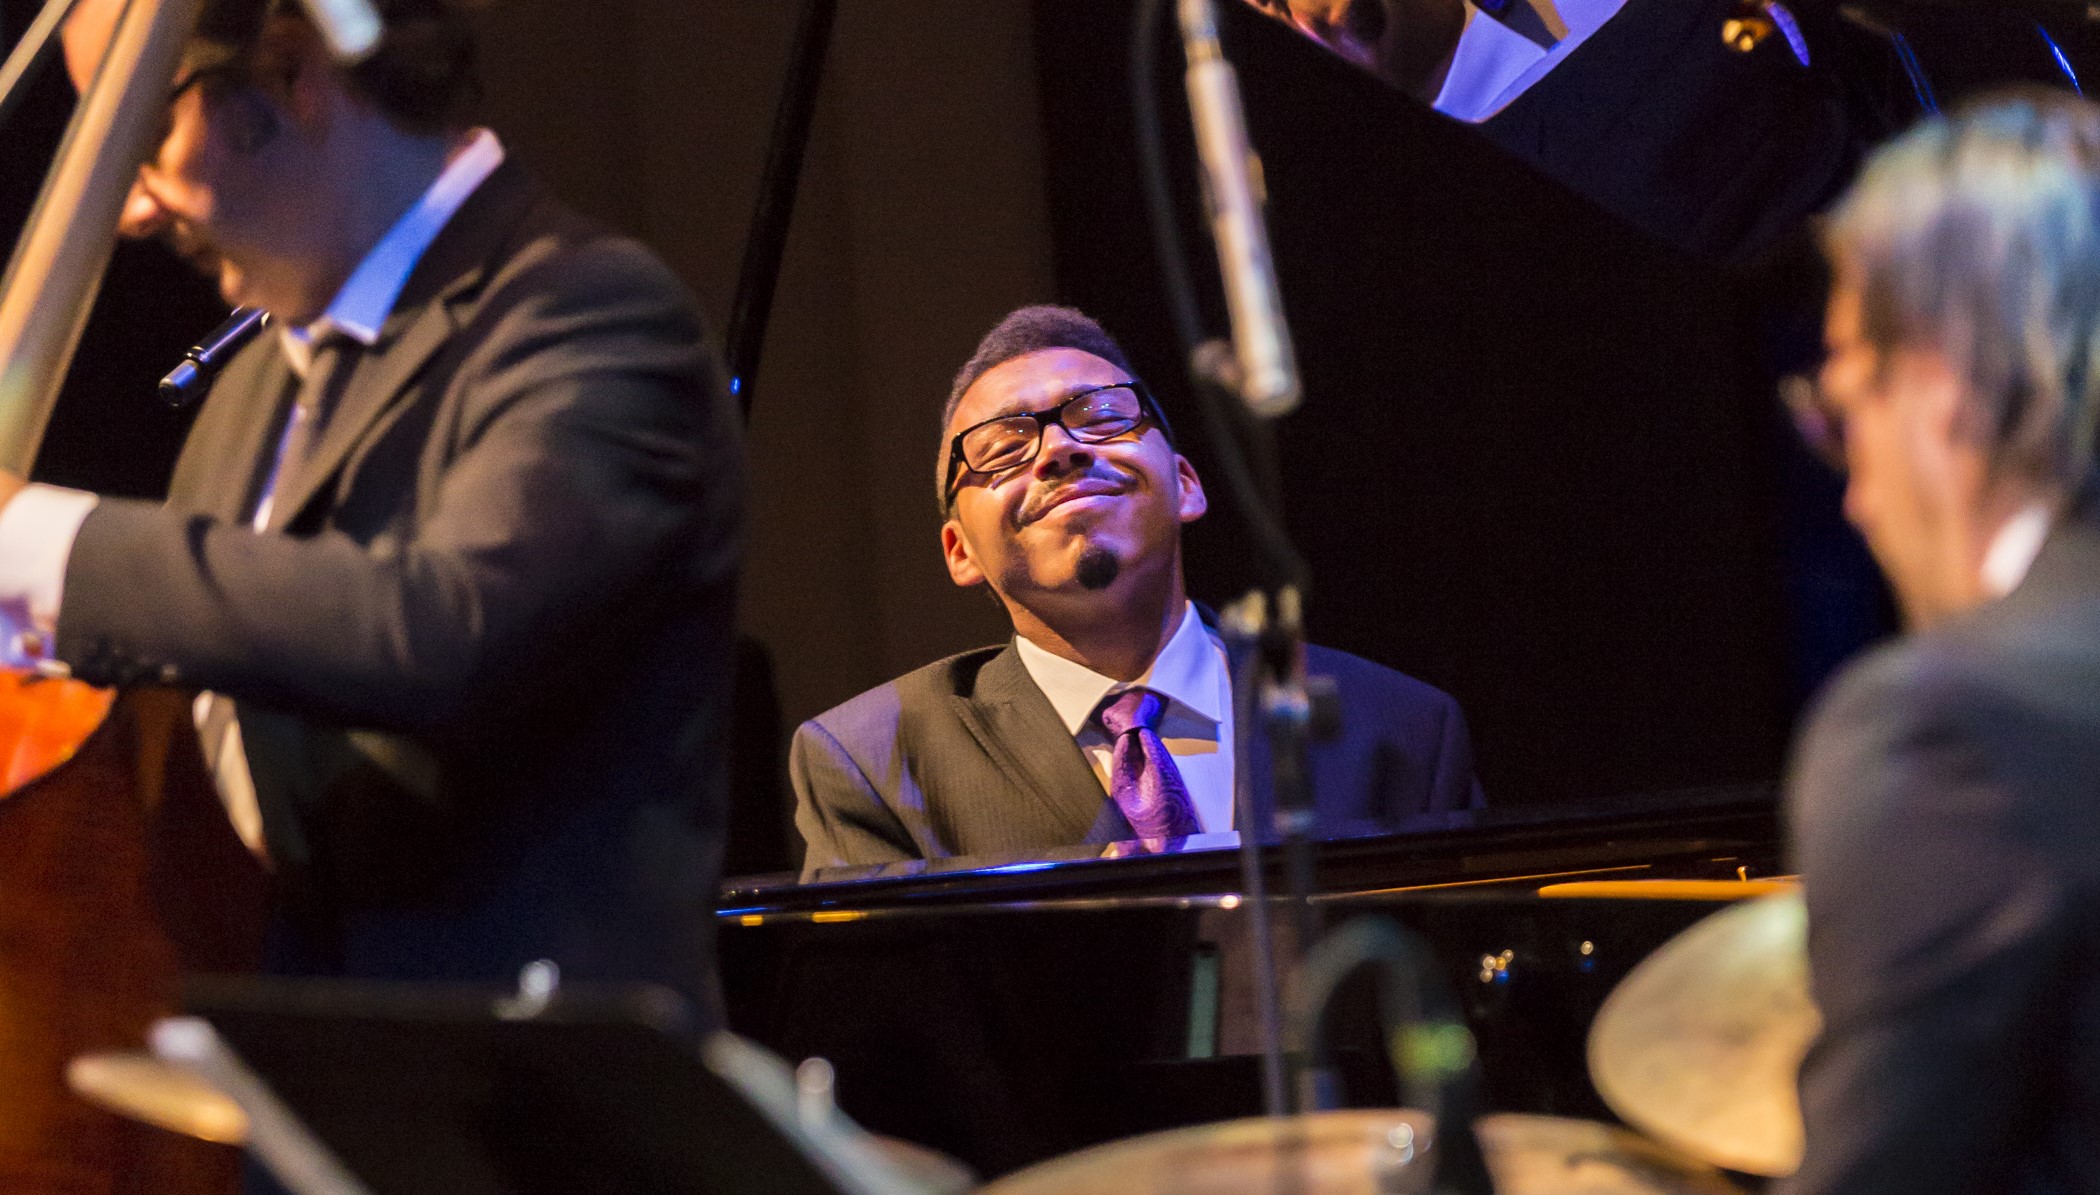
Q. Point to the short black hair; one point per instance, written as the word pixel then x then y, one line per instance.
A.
pixel 1033 330
pixel 422 75
pixel 1028 330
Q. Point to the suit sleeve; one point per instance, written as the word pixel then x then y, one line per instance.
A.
pixel 841 817
pixel 592 455
pixel 1938 931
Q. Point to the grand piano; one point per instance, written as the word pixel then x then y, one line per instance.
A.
pixel 1008 1011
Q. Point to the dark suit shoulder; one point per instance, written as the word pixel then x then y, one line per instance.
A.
pixel 1355 675
pixel 566 300
pixel 2001 669
pixel 575 285
pixel 882 709
pixel 1402 747
pixel 1890 695
pixel 558 250
pixel 1987 724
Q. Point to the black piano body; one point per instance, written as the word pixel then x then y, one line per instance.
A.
pixel 1009 1012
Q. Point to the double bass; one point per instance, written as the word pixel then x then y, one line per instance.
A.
pixel 119 872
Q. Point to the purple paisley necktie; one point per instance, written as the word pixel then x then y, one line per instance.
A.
pixel 1141 775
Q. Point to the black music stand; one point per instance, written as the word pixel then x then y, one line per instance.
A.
pixel 370 1089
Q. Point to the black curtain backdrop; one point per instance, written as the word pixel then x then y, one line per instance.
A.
pixel 1535 464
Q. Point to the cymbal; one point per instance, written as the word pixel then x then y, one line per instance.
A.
pixel 1700 1045
pixel 1554 1155
pixel 1367 1152
pixel 142 1087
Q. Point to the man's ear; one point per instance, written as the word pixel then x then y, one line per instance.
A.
pixel 961 568
pixel 295 73
pixel 1933 395
pixel 1193 500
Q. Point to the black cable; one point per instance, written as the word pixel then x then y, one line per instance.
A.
pixel 1431 1048
pixel 1152 163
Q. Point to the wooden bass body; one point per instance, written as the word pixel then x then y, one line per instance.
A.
pixel 119 873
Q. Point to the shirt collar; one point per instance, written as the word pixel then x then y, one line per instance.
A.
pixel 1189 670
pixel 2013 549
pixel 1493 62
pixel 360 309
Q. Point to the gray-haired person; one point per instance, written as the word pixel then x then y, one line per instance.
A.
pixel 1945 798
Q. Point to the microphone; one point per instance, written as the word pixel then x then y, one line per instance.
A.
pixel 187 382
pixel 1264 370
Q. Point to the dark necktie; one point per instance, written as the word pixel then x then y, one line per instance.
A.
pixel 327 371
pixel 1142 777
pixel 333 358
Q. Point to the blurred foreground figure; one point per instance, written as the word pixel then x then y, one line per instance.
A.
pixel 1946 794
pixel 450 548
pixel 1109 717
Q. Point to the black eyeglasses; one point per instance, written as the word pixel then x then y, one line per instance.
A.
pixel 1092 416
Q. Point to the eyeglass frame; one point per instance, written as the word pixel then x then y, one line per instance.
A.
pixel 196 77
pixel 1148 413
pixel 1819 423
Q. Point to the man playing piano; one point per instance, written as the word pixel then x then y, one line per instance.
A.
pixel 1946 793
pixel 1109 716
pixel 450 548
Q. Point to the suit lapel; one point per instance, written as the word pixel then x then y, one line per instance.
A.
pixel 221 467
pixel 1017 726
pixel 451 270
pixel 379 377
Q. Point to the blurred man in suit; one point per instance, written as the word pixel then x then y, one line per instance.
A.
pixel 1640 105
pixel 1943 797
pixel 1109 717
pixel 450 548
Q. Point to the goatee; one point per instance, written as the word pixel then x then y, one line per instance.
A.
pixel 1098 567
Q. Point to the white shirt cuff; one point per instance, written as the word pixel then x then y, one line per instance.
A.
pixel 37 529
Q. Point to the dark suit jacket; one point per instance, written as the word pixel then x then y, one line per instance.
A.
pixel 966 756
pixel 1946 818
pixel 483 670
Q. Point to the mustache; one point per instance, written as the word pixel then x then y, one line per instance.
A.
pixel 1100 479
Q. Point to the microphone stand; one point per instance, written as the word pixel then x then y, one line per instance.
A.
pixel 1244 387
pixel 1242 393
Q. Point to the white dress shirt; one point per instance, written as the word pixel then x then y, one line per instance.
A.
pixel 1192 674
pixel 2013 549
pixel 1495 64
